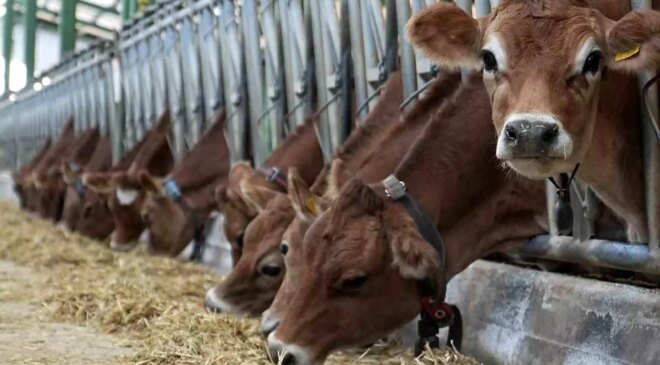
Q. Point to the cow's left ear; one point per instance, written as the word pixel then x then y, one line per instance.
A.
pixel 413 256
pixel 447 35
pixel 634 42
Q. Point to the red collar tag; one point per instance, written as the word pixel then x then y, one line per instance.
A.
pixel 441 312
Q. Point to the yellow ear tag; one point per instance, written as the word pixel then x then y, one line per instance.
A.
pixel 621 56
pixel 311 205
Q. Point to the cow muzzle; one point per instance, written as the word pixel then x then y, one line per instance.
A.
pixel 286 354
pixel 533 137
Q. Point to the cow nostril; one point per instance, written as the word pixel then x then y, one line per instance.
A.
pixel 510 133
pixel 210 305
pixel 550 133
pixel 288 360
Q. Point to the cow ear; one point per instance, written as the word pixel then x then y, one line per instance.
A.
pixel 150 184
pixel 447 35
pixel 256 197
pixel 339 175
pixel 413 256
pixel 100 183
pixel 634 42
pixel 68 174
pixel 308 205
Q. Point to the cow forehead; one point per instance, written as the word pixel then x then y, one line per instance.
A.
pixel 550 37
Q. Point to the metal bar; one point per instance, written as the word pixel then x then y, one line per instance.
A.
pixel 8 29
pixel 651 154
pixel 254 69
pixel 101 9
pixel 125 10
pixel 617 255
pixel 408 67
pixel 67 26
pixel 30 24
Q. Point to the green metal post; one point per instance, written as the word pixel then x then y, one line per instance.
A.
pixel 125 10
pixel 30 24
pixel 67 27
pixel 8 25
pixel 133 7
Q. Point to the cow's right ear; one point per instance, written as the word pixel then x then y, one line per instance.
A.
pixel 308 206
pixel 99 183
pixel 447 35
pixel 149 183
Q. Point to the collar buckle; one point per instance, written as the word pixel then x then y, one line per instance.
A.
pixel 395 189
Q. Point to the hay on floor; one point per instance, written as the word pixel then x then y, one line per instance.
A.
pixel 153 304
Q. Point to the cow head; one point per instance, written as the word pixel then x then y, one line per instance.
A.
pixel 125 198
pixel 169 225
pixel 543 64
pixel 361 262
pixel 240 199
pixel 95 218
pixel 308 207
pixel 51 188
pixel 257 275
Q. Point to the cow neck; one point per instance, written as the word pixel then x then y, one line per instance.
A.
pixel 452 173
pixel 301 150
pixel 612 165
pixel 393 147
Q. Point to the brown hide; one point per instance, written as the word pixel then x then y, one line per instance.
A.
pixel 26 192
pixel 155 157
pixel 98 221
pixel 80 213
pixel 364 256
pixel 375 166
pixel 300 149
pixel 172 225
pixel 383 134
pixel 558 59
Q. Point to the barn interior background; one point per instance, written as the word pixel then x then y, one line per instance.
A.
pixel 268 63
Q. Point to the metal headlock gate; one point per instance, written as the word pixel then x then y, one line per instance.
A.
pixel 271 64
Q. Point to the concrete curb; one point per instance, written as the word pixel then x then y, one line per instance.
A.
pixel 515 315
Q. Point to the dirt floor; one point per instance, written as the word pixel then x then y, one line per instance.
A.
pixel 27 338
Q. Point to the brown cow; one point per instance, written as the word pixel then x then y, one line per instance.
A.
pixel 173 217
pixel 49 181
pixel 252 285
pixel 125 197
pixel 75 210
pixel 364 257
pixel 96 220
pixel 374 167
pixel 26 193
pixel 556 76
pixel 300 149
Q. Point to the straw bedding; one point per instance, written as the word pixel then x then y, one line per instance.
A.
pixel 152 304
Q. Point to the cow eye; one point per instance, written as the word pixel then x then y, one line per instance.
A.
pixel 272 271
pixel 354 284
pixel 592 63
pixel 489 60
pixel 239 239
pixel 284 248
